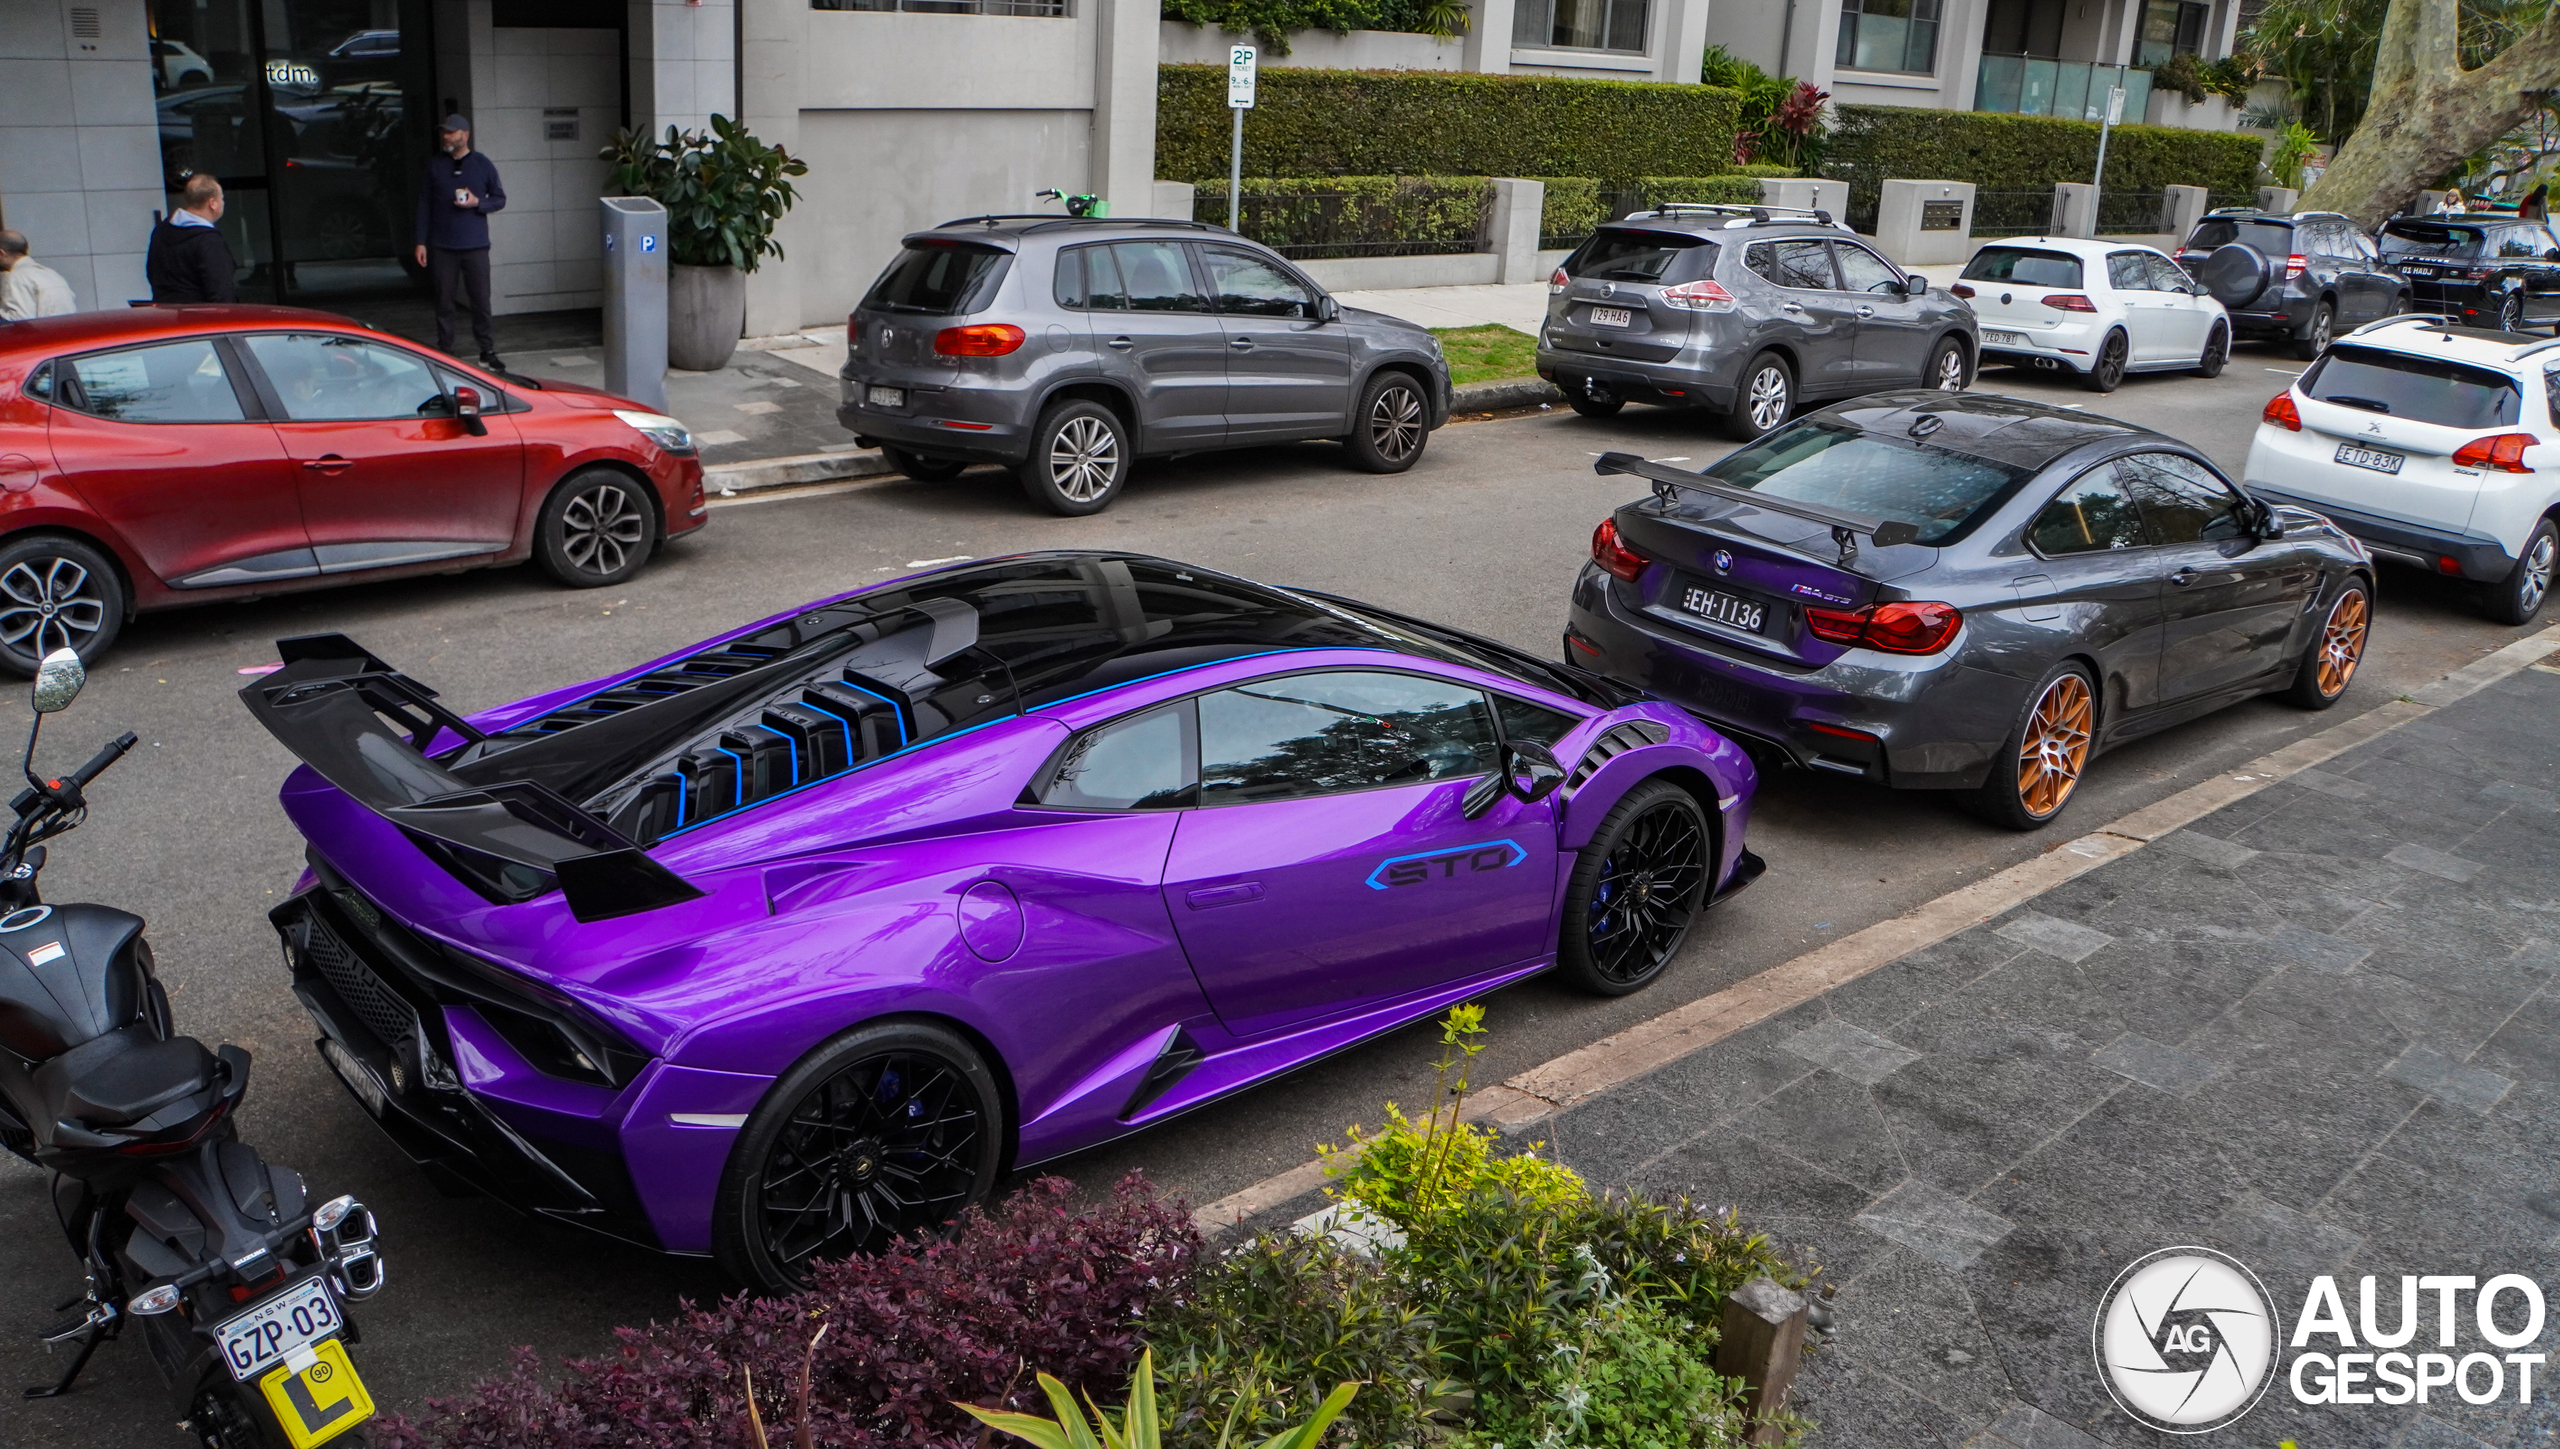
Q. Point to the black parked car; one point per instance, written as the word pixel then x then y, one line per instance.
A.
pixel 2497 271
pixel 2301 277
pixel 1745 312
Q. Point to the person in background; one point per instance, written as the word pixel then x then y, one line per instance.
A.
pixel 29 288
pixel 455 198
pixel 189 261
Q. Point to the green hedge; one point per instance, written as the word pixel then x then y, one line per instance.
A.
pixel 1729 190
pixel 1347 211
pixel 1379 123
pixel 1997 152
pixel 1573 206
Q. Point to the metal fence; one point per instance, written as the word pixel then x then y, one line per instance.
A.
pixel 1316 225
pixel 2136 213
pixel 2008 213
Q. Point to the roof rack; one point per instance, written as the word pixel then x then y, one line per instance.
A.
pixel 1045 220
pixel 1752 214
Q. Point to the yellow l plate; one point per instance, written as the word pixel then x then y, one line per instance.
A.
pixel 321 1401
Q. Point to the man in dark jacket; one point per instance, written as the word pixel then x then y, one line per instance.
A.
pixel 189 261
pixel 454 201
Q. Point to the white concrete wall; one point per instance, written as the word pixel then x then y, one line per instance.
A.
pixel 80 143
pixel 853 213
pixel 545 249
pixel 1182 43
pixel 684 63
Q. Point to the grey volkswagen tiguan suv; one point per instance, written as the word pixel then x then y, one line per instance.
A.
pixel 1065 348
pixel 1746 311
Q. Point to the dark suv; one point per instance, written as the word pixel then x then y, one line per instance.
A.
pixel 2495 271
pixel 1746 311
pixel 2300 277
pixel 1065 347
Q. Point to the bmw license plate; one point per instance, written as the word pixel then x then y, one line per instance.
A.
pixel 2374 458
pixel 886 397
pixel 278 1329
pixel 1724 608
pixel 2003 339
pixel 1612 317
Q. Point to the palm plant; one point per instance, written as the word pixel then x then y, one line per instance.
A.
pixel 1136 1427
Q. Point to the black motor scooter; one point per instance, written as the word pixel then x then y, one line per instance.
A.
pixel 241 1286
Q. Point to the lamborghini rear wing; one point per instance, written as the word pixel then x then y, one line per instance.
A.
pixel 366 728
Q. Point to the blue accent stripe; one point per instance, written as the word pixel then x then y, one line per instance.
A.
pixel 1517 855
pixel 897 711
pixel 737 779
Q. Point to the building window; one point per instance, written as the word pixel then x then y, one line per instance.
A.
pixel 2023 27
pixel 1055 9
pixel 1580 25
pixel 1889 35
pixel 2172 27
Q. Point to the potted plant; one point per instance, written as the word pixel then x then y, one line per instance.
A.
pixel 724 192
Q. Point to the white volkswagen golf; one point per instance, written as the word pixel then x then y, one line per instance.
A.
pixel 2434 445
pixel 2099 309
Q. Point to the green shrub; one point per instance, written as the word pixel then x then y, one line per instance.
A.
pixel 1311 211
pixel 1265 1329
pixel 1757 170
pixel 1412 1171
pixel 1996 152
pixel 1372 123
pixel 1272 22
pixel 1633 1379
pixel 1734 190
pixel 1572 206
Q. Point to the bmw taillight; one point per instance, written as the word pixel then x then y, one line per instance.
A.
pixel 982 339
pixel 1557 281
pixel 1614 557
pixel 2293 266
pixel 1900 627
pixel 1961 290
pixel 2281 412
pixel 1698 297
pixel 2503 452
pixel 2070 302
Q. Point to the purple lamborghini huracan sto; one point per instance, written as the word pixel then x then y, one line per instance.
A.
pixel 808 935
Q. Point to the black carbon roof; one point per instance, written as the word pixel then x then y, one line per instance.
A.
pixel 2003 429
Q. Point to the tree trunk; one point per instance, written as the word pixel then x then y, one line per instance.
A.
pixel 2427 113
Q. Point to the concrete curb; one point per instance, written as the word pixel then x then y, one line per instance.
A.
pixel 727 480
pixel 1613 1061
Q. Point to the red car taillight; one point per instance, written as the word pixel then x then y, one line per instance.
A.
pixel 1557 281
pixel 2293 266
pixel 1902 627
pixel 1614 557
pixel 2502 451
pixel 1698 297
pixel 2281 412
pixel 2070 302
pixel 983 339
pixel 852 331
pixel 1961 290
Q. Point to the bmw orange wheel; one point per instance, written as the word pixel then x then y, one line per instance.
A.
pixel 2336 651
pixel 2035 775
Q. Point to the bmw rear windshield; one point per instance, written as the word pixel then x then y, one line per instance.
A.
pixel 1630 254
pixel 939 278
pixel 1840 465
pixel 2422 389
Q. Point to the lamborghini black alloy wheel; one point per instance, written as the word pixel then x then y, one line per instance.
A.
pixel 890 1146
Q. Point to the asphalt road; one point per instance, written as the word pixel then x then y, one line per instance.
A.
pixel 1487 532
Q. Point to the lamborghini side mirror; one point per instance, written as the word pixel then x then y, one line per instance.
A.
pixel 1531 772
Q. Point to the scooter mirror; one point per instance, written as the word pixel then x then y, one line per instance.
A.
pixel 58 681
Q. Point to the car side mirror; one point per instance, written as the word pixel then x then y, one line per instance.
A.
pixel 1327 309
pixel 1914 285
pixel 2552 255
pixel 1533 772
pixel 466 409
pixel 2269 523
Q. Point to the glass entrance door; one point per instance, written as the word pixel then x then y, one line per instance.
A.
pixel 315 117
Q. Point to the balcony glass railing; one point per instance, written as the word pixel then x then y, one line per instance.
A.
pixel 2030 85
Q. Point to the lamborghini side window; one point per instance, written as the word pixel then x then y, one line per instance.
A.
pixel 1522 720
pixel 1324 734
pixel 1140 763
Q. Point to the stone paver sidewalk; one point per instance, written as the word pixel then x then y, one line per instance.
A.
pixel 2318 1030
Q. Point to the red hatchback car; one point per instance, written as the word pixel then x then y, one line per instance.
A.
pixel 178 455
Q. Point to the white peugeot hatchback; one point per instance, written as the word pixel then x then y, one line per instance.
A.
pixel 2432 443
pixel 2098 309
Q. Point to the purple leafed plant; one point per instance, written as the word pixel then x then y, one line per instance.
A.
pixel 1035 1287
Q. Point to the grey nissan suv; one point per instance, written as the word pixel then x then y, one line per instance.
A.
pixel 1065 348
pixel 1745 311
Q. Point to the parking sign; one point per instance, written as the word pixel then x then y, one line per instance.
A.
pixel 1240 62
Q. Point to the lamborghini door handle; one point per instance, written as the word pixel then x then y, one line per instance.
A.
pixel 1209 897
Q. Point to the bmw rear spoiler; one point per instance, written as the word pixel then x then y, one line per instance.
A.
pixel 366 728
pixel 1845 526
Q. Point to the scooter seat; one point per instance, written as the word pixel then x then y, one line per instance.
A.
pixel 123 1077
